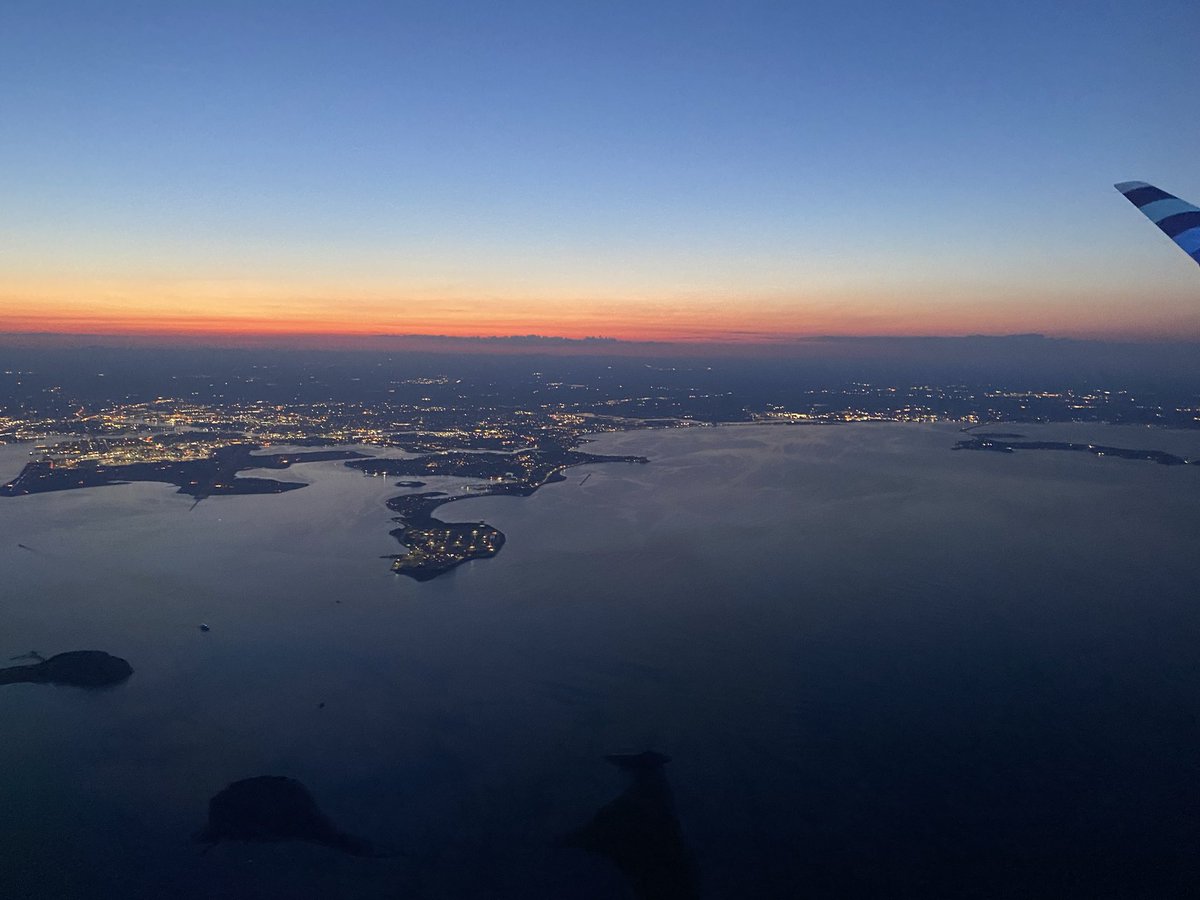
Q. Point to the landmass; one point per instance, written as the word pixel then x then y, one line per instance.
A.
pixel 76 668
pixel 639 832
pixel 205 462
pixel 199 478
pixel 510 426
pixel 997 443
pixel 274 808
pixel 435 547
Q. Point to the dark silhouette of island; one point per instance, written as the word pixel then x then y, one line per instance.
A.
pixel 999 443
pixel 76 668
pixel 199 478
pixel 274 808
pixel 434 546
pixel 640 832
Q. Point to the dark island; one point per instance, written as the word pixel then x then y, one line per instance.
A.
pixel 639 832
pixel 76 668
pixel 996 443
pixel 435 546
pixel 274 808
pixel 199 478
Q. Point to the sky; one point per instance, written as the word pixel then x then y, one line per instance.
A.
pixel 734 172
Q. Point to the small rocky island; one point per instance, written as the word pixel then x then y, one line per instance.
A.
pixel 76 668
pixel 274 808
pixel 434 546
pixel 639 832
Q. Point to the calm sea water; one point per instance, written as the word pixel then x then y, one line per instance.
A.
pixel 882 668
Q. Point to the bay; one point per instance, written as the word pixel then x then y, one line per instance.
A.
pixel 881 668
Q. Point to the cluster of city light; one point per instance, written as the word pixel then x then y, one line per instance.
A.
pixel 444 546
pixel 906 414
pixel 170 429
pixel 125 451
pixel 437 422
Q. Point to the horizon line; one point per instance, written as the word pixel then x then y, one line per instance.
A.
pixel 527 342
pixel 734 338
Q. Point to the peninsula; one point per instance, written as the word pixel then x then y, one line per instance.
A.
pixel 1001 443
pixel 199 478
pixel 434 546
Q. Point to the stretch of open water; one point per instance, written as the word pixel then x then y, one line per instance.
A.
pixel 882 669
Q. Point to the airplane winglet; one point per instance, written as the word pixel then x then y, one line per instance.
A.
pixel 1177 219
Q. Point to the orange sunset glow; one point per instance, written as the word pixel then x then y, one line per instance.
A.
pixel 239 308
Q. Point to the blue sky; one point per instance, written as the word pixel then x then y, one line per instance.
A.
pixel 916 160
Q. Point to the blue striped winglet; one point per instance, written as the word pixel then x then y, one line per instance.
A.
pixel 1179 220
